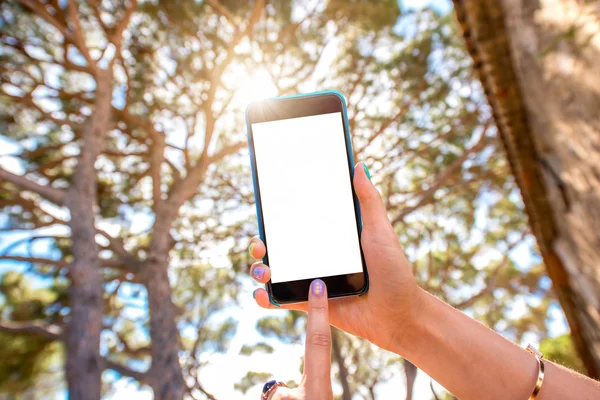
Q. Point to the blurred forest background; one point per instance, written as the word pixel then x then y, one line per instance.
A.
pixel 127 205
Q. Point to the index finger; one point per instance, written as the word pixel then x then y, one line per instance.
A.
pixel 317 353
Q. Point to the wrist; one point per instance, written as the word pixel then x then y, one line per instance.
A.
pixel 409 332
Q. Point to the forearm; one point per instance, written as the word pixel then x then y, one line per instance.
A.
pixel 474 362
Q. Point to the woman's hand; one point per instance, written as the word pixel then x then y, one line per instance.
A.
pixel 316 380
pixel 386 312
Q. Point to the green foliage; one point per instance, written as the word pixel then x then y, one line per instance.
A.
pixel 251 379
pixel 367 16
pixel 249 349
pixel 28 360
pixel 288 328
pixel 561 350
pixel 367 365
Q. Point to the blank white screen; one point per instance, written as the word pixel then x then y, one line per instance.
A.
pixel 306 194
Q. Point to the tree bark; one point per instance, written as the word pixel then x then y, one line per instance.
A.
pixel 556 62
pixel 84 364
pixel 372 392
pixel 339 360
pixel 410 371
pixel 166 378
pixel 538 61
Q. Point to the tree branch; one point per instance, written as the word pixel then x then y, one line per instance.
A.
pixel 401 111
pixel 28 100
pixel 490 283
pixel 174 169
pixel 225 151
pixel 157 156
pixel 54 195
pixel 78 40
pixel 131 351
pixel 52 332
pixel 221 9
pixel 117 247
pixel 41 11
pixel 427 195
pixel 184 189
pixel 36 260
pixel 126 371
pixel 117 36
pixel 51 60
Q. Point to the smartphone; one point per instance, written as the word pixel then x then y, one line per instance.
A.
pixel 308 213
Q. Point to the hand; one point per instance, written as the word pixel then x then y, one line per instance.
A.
pixel 385 313
pixel 316 379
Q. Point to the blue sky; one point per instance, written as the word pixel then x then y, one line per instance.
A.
pixel 442 6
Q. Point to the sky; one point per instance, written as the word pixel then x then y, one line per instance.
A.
pixel 226 369
pixel 442 6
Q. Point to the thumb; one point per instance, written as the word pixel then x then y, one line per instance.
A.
pixel 371 205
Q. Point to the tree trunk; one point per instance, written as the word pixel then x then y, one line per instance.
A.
pixel 339 360
pixel 84 367
pixel 539 66
pixel 166 377
pixel 410 371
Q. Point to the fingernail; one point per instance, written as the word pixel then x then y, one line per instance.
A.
pixel 258 272
pixel 367 171
pixel 254 294
pixel 317 287
pixel 251 249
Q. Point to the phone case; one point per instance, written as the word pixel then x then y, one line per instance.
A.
pixel 256 200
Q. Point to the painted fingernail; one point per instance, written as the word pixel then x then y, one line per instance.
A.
pixel 367 171
pixel 317 287
pixel 254 294
pixel 251 249
pixel 258 272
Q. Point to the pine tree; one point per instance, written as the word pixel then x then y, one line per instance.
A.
pixel 131 168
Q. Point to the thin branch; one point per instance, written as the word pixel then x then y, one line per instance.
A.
pixel 54 195
pixel 403 110
pixel 28 100
pixel 433 390
pixel 135 120
pixel 184 189
pixel 206 393
pixel 227 150
pixel 98 15
pixel 117 36
pixel 118 248
pixel 174 169
pixel 490 283
pixel 51 60
pixel 427 195
pixel 221 9
pixel 41 11
pixel 36 260
pixel 126 371
pixel 132 351
pixel 52 332
pixel 28 240
pixel 78 39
